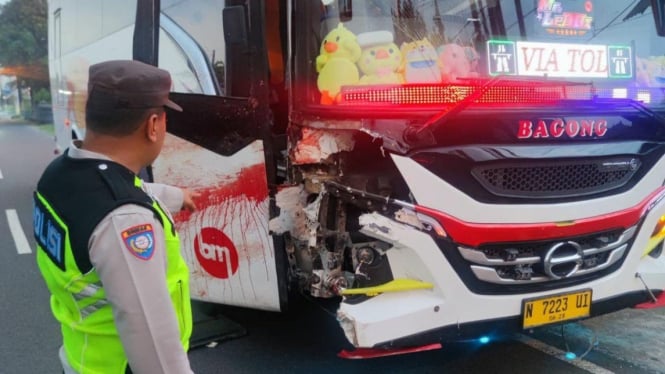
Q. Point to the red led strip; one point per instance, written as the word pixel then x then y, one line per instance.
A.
pixel 437 94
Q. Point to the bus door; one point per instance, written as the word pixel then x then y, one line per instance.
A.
pixel 215 147
pixel 226 242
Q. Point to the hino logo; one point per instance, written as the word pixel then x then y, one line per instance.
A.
pixel 557 127
pixel 563 260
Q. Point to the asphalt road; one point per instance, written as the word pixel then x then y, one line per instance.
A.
pixel 305 339
pixel 29 339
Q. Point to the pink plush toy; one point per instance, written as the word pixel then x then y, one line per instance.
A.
pixel 457 62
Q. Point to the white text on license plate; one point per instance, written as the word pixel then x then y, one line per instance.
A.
pixel 556 308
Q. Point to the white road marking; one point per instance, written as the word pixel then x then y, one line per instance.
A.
pixel 561 355
pixel 22 245
pixel 0 174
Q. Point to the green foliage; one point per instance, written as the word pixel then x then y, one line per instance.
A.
pixel 23 35
pixel 24 42
pixel 42 95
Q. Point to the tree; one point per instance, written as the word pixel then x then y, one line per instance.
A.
pixel 24 42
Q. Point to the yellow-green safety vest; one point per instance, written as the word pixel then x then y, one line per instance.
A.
pixel 78 301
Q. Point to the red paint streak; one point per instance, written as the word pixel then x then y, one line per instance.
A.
pixel 475 234
pixel 659 303
pixel 252 183
pixel 360 353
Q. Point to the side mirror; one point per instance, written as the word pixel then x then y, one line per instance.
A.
pixel 658 9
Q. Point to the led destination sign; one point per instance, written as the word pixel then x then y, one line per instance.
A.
pixel 565 18
pixel 562 60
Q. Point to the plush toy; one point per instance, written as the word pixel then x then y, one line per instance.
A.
pixel 457 61
pixel 336 63
pixel 380 58
pixel 650 72
pixel 420 62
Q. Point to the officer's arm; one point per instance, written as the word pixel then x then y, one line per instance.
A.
pixel 128 251
pixel 171 197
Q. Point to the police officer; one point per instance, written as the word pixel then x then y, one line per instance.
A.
pixel 107 246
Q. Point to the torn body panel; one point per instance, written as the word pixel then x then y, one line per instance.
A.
pixel 380 236
pixel 320 211
pixel 316 146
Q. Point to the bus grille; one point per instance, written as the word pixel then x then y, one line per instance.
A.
pixel 556 179
pixel 548 261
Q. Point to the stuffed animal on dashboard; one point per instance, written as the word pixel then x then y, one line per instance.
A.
pixel 420 62
pixel 336 63
pixel 650 71
pixel 457 62
pixel 380 58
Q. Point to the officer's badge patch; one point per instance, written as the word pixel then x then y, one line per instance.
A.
pixel 140 240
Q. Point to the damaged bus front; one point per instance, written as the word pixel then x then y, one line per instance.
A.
pixel 446 169
pixel 466 167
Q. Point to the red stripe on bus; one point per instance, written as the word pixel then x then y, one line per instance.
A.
pixel 475 234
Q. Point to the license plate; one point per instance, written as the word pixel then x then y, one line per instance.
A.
pixel 556 308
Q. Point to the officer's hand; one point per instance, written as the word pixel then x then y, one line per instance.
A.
pixel 188 199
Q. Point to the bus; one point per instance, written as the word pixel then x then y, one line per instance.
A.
pixel 446 170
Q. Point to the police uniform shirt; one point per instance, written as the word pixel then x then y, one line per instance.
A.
pixel 136 288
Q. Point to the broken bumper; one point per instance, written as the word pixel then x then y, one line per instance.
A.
pixel 453 310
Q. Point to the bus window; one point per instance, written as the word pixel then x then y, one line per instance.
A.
pixel 116 15
pixel 174 59
pixel 196 43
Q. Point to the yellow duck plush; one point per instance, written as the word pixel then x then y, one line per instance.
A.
pixel 380 58
pixel 336 63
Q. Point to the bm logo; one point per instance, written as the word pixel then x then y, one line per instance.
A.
pixel 216 253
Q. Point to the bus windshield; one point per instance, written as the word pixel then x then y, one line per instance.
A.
pixel 434 51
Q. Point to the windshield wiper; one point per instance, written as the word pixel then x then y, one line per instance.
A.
pixel 416 133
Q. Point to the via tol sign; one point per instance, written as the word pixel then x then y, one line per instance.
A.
pixel 559 60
